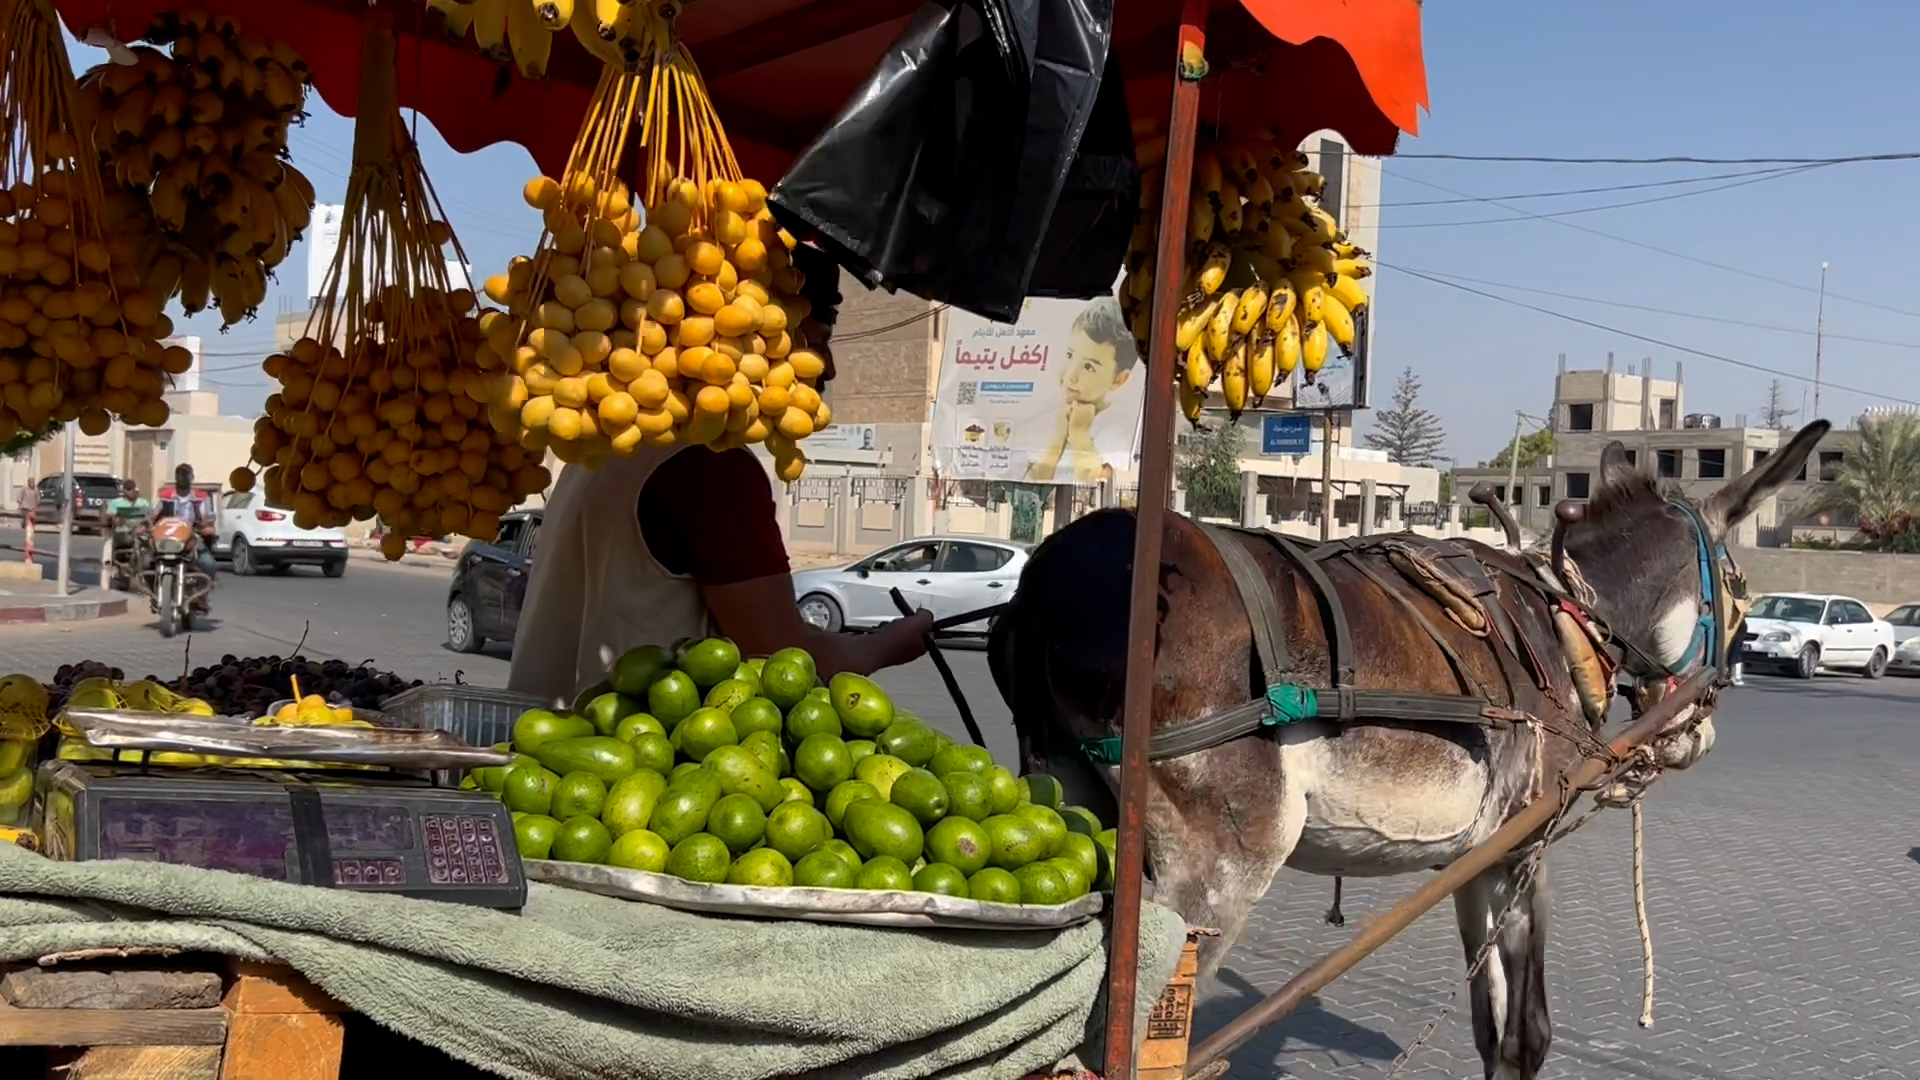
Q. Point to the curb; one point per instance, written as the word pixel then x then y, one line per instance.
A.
pixel 78 611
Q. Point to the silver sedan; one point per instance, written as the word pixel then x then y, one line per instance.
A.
pixel 945 575
pixel 1906 635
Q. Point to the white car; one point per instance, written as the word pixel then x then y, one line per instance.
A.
pixel 1905 621
pixel 254 537
pixel 1803 632
pixel 946 575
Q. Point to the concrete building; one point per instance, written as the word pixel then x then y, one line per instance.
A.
pixel 1693 453
pixel 195 435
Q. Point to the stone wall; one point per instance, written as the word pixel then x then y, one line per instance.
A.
pixel 881 357
pixel 1873 578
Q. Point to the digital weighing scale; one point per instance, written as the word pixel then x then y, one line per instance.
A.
pixel 368 833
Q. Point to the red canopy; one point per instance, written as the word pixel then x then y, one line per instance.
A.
pixel 779 70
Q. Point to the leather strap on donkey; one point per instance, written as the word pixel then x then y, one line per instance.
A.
pixel 1448 572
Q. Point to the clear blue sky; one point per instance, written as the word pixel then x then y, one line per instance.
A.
pixel 1708 78
pixel 1713 78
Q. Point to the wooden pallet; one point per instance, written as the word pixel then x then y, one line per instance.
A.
pixel 153 1015
pixel 156 1017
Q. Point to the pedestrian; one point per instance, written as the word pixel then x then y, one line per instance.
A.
pixel 675 543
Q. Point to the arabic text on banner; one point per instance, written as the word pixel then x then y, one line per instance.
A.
pixel 1054 398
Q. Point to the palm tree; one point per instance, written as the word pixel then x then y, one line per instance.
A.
pixel 1878 485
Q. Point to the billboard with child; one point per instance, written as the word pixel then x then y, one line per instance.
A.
pixel 1052 399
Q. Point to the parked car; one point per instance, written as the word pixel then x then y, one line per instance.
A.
pixel 254 537
pixel 490 584
pixel 1905 621
pixel 945 575
pixel 92 491
pixel 1800 633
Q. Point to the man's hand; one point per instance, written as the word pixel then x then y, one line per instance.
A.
pixel 761 617
pixel 905 638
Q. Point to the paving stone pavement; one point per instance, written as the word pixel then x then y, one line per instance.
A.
pixel 1783 876
pixel 1783 888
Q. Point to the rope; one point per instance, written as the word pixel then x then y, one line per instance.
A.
pixel 1552 833
pixel 1640 916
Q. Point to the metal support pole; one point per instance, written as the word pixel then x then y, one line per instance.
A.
pixel 1327 434
pixel 1156 476
pixel 1653 723
pixel 1513 461
pixel 64 571
pixel 1819 335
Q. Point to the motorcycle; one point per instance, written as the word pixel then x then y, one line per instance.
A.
pixel 170 577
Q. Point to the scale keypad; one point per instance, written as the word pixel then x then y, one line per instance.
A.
pixel 463 849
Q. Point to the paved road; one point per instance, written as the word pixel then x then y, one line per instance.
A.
pixel 1783 873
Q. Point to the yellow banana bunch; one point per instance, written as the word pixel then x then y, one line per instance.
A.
pixel 1253 302
pixel 1286 352
pixel 530 36
pixel 1270 284
pixel 198 134
pixel 1338 321
pixel 456 16
pixel 490 28
pixel 1349 292
pixel 1213 269
pixel 1220 329
pixel 1313 350
pixel 1263 364
pixel 1194 320
pixel 1233 377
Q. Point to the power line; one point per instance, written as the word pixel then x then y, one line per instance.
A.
pixel 1601 190
pixel 856 335
pixel 1656 248
pixel 1745 323
pixel 1769 175
pixel 1662 342
pixel 1675 160
pixel 1723 319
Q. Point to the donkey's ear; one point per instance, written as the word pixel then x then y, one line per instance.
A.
pixel 1733 503
pixel 1615 469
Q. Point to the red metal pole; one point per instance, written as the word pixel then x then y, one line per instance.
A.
pixel 1156 474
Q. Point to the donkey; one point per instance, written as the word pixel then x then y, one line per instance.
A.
pixel 1367 795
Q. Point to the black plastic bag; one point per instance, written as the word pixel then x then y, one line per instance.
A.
pixel 987 158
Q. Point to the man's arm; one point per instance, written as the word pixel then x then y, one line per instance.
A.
pixel 761 617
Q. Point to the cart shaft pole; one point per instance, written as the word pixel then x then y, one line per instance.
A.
pixel 1518 828
pixel 1156 474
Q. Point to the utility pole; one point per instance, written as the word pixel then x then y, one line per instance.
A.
pixel 1326 474
pixel 1819 333
pixel 1513 461
pixel 64 570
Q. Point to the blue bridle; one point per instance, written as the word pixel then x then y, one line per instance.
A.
pixel 1707 645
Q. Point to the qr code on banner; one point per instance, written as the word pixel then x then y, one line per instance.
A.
pixel 969 391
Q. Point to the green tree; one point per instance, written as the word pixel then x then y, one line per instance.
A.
pixel 1878 484
pixel 23 440
pixel 1535 448
pixel 1410 434
pixel 1208 468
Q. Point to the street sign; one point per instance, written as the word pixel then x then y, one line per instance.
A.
pixel 1286 434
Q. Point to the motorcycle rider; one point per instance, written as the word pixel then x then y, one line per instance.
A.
pixel 128 512
pixel 183 505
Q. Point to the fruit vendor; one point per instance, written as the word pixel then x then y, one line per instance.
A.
pixel 679 542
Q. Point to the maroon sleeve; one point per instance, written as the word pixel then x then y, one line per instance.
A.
pixel 711 516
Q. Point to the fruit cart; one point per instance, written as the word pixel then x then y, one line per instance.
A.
pixel 780 71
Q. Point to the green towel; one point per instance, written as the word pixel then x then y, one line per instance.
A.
pixel 592 987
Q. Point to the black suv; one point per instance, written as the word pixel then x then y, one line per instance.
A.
pixel 489 584
pixel 92 492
